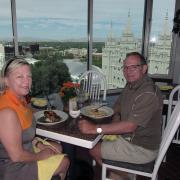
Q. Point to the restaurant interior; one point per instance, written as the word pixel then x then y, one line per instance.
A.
pixel 74 143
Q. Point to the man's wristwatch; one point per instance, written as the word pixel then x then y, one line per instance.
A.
pixel 99 130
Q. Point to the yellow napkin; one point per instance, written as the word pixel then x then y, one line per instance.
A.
pixel 110 137
pixel 47 167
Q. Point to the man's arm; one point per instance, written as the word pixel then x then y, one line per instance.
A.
pixel 119 127
pixel 116 117
pixel 113 128
pixel 116 106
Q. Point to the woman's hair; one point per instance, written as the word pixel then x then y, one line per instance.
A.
pixel 8 67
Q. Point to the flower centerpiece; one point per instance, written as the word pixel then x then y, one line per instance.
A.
pixel 68 91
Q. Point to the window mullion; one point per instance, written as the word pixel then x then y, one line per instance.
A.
pixel 14 27
pixel 90 34
pixel 148 6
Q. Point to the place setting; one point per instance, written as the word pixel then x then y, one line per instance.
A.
pixel 97 112
pixel 50 117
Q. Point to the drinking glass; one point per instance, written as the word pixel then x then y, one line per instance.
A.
pixel 74 112
pixel 81 98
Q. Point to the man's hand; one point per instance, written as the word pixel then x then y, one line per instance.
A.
pixel 87 127
pixel 116 118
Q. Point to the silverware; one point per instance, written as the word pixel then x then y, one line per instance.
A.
pixel 96 109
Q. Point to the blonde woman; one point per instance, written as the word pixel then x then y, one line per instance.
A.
pixel 18 160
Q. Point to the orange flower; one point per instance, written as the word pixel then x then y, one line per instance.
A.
pixel 68 90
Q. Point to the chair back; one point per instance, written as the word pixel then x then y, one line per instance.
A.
pixel 168 135
pixel 174 97
pixel 93 82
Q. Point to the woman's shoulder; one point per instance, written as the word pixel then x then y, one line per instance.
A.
pixel 4 101
pixel 7 113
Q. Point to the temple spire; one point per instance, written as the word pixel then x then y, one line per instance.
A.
pixel 165 30
pixel 128 29
pixel 110 36
pixel 127 34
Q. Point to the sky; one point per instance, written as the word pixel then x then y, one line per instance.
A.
pixel 67 19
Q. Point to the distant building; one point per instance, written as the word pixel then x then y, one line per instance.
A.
pixel 45 49
pixel 9 51
pixel 2 56
pixel 26 51
pixel 97 56
pixel 31 60
pixel 159 51
pixel 76 52
pixel 115 52
pixel 34 48
pixel 77 68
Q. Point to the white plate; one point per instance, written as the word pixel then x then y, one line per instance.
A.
pixel 61 114
pixel 108 111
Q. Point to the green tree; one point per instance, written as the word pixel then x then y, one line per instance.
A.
pixel 48 77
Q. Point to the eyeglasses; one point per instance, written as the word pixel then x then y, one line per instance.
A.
pixel 131 67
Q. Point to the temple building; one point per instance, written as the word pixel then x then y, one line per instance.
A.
pixel 115 52
pixel 159 51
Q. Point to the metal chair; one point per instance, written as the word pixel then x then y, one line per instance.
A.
pixel 93 82
pixel 174 97
pixel 149 169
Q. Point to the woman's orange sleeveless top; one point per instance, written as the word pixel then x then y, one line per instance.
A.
pixel 9 100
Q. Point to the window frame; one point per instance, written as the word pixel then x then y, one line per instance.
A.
pixel 148 8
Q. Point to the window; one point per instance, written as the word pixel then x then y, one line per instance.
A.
pixel 5 30
pixel 117 30
pixel 159 54
pixel 58 31
pixel 54 30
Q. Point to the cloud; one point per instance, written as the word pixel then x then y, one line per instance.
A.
pixel 70 16
pixel 5 22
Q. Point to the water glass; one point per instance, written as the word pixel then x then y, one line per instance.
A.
pixel 81 98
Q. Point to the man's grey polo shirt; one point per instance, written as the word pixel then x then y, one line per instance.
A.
pixel 142 104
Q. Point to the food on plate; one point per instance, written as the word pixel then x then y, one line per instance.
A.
pixel 40 102
pixel 97 113
pixel 51 116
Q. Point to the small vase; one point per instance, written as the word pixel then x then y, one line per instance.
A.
pixel 66 107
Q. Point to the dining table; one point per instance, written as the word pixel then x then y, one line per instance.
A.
pixel 68 132
pixel 70 137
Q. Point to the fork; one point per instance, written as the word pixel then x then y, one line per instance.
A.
pixel 96 109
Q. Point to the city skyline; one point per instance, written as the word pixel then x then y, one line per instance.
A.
pixel 67 20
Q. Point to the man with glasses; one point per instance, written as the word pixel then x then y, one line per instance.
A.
pixel 136 121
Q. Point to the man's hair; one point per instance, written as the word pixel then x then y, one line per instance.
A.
pixel 141 57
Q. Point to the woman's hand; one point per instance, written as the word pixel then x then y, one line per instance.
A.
pixel 46 153
pixel 56 146
pixel 52 145
pixel 87 127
